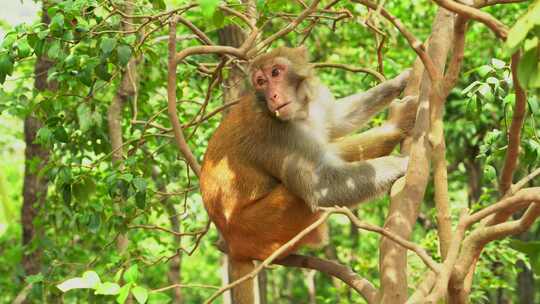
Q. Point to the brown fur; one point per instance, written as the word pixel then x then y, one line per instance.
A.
pixel 254 201
pixel 242 181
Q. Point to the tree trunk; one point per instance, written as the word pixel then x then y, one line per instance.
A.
pixel 35 184
pixel 525 284
pixel 126 90
pixel 232 35
pixel 175 264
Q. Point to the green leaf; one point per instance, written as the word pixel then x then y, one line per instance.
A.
pixel 107 45
pixel 107 288
pixel 32 40
pixel 132 274
pixel 23 49
pixel 527 67
pixel 484 70
pixel 124 54
pixel 54 50
pixel 260 5
pixel 140 199
pixel 531 249
pixel 158 298
pixel 44 135
pixel 489 172
pixel 533 104
pixel 139 183
pixel 61 135
pixel 158 4
pixel 85 117
pixel 36 278
pixel 470 87
pixel 102 71
pixel 509 99
pixel 83 189
pixel 124 292
pixel 43 34
pixel 498 64
pixel 94 223
pixel 85 76
pixel 6 67
pixel 525 23
pixel 75 283
pixel 140 294
pixel 218 18
pixel 492 80
pixel 208 7
pixel 92 278
pixel 57 23
pixel 485 91
pixel 66 194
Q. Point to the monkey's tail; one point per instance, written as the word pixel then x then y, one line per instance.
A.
pixel 244 292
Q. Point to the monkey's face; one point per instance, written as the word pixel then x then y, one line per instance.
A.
pixel 278 85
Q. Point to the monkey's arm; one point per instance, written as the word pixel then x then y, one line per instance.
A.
pixel 379 141
pixel 352 111
pixel 321 178
pixel 375 142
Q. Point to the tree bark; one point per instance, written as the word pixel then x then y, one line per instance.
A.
pixel 126 90
pixel 35 184
pixel 525 284
pixel 407 194
pixel 175 264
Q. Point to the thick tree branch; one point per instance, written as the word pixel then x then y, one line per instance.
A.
pixel 364 287
pixel 495 25
pixel 514 134
pixel 407 193
pixel 171 102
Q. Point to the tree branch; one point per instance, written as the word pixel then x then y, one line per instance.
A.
pixel 171 101
pixel 514 134
pixel 495 25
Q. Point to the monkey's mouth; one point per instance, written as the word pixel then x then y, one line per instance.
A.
pixel 281 107
pixel 277 110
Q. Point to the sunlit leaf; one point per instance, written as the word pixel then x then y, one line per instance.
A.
pixel 132 274
pixel 92 278
pixel 208 7
pixel 75 283
pixel 107 288
pixel 140 294
pixel 6 66
pixel 123 294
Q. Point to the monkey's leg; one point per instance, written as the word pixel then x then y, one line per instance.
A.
pixel 373 143
pixel 262 226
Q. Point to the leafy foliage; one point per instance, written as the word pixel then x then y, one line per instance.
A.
pixel 92 200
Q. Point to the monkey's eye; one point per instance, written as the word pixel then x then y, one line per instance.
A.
pixel 275 72
pixel 260 81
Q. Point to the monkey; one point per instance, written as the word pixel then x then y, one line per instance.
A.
pixel 282 152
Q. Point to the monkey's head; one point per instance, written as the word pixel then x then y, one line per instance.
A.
pixel 280 79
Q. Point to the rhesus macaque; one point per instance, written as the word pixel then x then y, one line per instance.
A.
pixel 280 154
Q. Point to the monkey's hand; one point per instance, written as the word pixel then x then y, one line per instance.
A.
pixel 403 113
pixel 402 78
